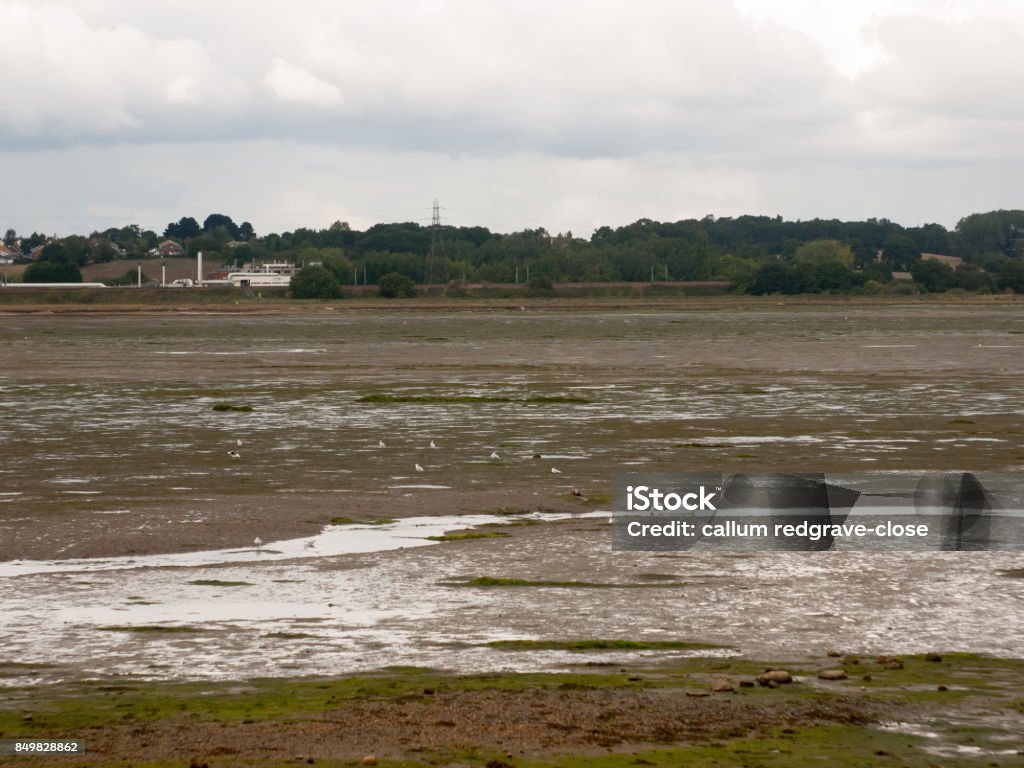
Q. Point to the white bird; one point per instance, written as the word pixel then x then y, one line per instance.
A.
pixel 419 468
pixel 234 454
pixel 258 542
pixel 380 444
pixel 433 444
pixel 555 471
pixel 494 455
pixel 238 442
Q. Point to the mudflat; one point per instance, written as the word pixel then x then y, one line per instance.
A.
pixel 120 429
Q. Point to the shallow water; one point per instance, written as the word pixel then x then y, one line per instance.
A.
pixel 107 416
pixel 289 609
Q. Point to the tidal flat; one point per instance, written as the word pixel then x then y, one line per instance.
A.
pixel 127 530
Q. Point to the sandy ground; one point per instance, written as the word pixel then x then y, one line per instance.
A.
pixel 160 528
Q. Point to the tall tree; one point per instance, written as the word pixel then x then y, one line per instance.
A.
pixel 215 220
pixel 186 227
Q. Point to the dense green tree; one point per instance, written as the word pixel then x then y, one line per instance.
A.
pixel 971 277
pixel 900 252
pixel 102 252
pixel 992 232
pixel 33 240
pixel 777 277
pixel 931 238
pixel 1011 276
pixel 184 228
pixel 878 271
pixel 821 251
pixel 933 275
pixel 52 272
pixel 863 253
pixel 218 220
pixel 395 285
pixel 833 276
pixel 10 238
pixel 73 249
pixel 315 282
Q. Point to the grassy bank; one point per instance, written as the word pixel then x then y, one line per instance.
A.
pixel 702 712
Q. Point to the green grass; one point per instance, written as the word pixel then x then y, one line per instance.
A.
pixel 470 535
pixel 835 746
pixel 232 407
pixel 599 645
pixel 72 708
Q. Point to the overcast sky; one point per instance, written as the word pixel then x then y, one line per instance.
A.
pixel 563 114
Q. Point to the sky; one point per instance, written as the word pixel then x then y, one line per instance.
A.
pixel 514 114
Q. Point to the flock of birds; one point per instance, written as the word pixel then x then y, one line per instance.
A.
pixel 495 456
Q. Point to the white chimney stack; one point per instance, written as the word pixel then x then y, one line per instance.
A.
pixel 199 275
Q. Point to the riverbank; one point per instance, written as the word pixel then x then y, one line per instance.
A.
pixel 951 711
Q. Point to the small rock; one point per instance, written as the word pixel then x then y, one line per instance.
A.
pixel 850 661
pixel 369 760
pixel 834 654
pixel 27 719
pixel 932 656
pixel 832 674
pixel 894 664
pixel 310 760
pixel 428 691
pixel 942 688
pixel 721 685
pixel 867 678
pixel 194 763
pixel 747 683
pixel 777 676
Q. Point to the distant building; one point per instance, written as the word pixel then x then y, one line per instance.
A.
pixel 8 254
pixel 36 252
pixel 168 248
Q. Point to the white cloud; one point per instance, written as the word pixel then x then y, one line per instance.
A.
pixel 64 78
pixel 292 83
pixel 664 107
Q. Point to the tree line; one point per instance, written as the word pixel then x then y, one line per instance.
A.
pixel 756 254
